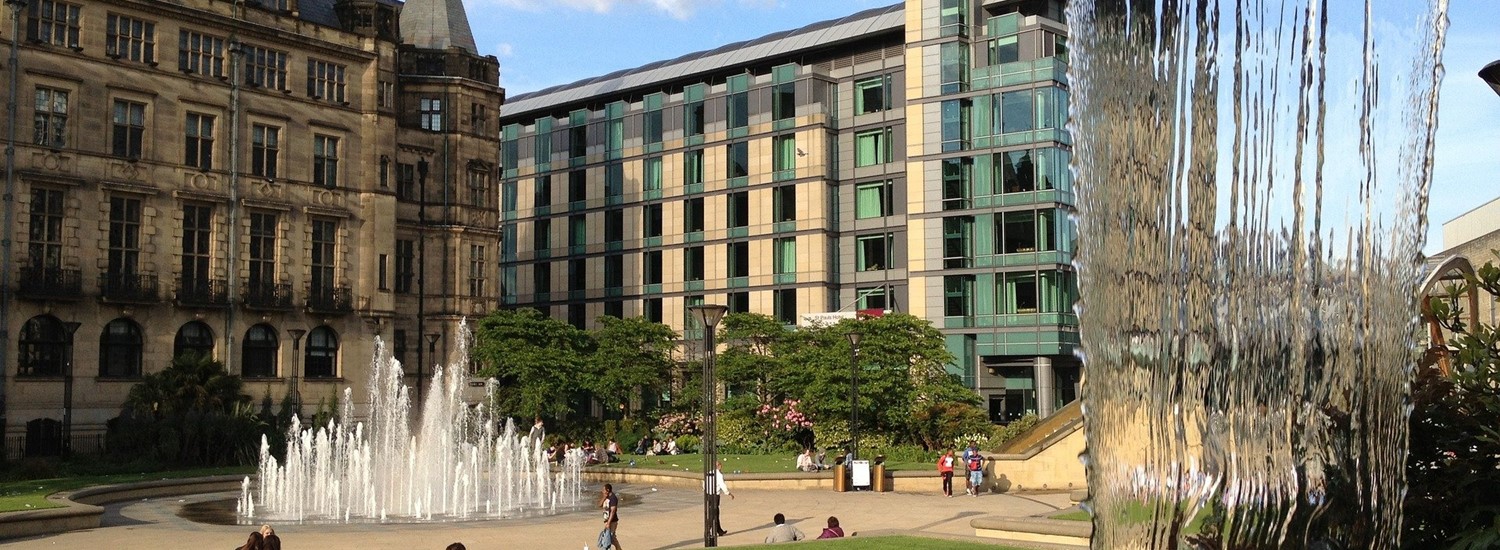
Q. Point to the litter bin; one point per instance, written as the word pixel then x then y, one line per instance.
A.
pixel 879 483
pixel 840 478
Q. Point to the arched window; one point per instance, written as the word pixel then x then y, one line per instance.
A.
pixel 322 353
pixel 120 349
pixel 258 357
pixel 42 344
pixel 194 337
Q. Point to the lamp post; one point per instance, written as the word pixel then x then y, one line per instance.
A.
pixel 67 430
pixel 1491 75
pixel 709 315
pixel 432 340
pixel 854 337
pixel 12 115
pixel 296 392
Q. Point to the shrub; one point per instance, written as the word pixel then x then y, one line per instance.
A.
pixel 689 443
pixel 830 433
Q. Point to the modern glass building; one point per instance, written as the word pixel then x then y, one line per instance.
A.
pixel 909 158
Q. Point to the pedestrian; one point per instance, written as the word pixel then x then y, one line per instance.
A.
pixel 457 546
pixel 833 531
pixel 945 469
pixel 255 542
pixel 969 451
pixel 715 487
pixel 781 532
pixel 976 472
pixel 610 538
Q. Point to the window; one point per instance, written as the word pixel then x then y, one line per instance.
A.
pixel 957 236
pixel 262 250
pixel 784 204
pixel 651 218
pixel 957 294
pixel 1020 293
pixel 124 236
pixel 430 114
pixel 692 215
pixel 479 188
pixel 325 161
pixel 614 226
pixel 1017 172
pixel 129 128
pixel 739 110
pixel 577 275
pixel 477 262
pixel 653 175
pixel 200 53
pixel 1021 232
pixel 955 125
pixel 873 147
pixel 387 96
pixel 738 302
pixel 872 95
pixel 120 349
pixel 873 252
pixel 693 118
pixel 197 238
pixel 785 302
pixel 325 81
pixel 739 160
pixel 692 263
pixel 784 156
pixel 130 39
pixel 577 230
pixel 406 262
pixel 692 167
pixel 42 343
pixel 652 310
pixel 258 353
pixel 739 259
pixel 324 250
pixel 953 72
pixel 577 316
pixel 321 358
pixel 53 23
pixel 739 209
pixel 193 338
pixel 543 195
pixel 265 150
pixel 578 134
pixel 1015 111
pixel 577 186
pixel 614 271
pixel 541 235
pixel 44 243
pixel 953 18
pixel 874 199
pixel 50 123
pixel 198 149
pixel 541 277
pixel 653 127
pixel 398 346
pixel 872 298
pixel 651 268
pixel 265 67
pixel 614 180
pixel 784 256
pixel 956 183
pixel 508 197
pixel 382 264
pixel 1006 49
pixel 784 101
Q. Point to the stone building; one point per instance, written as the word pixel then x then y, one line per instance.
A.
pixel 273 182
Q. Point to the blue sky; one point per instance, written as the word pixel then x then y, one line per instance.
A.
pixel 543 43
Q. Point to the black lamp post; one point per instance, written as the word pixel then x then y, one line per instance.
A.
pixel 67 427
pixel 296 392
pixel 432 340
pixel 854 336
pixel 1491 75
pixel 709 315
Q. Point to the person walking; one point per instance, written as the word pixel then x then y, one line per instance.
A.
pixel 945 469
pixel 969 451
pixel 976 472
pixel 716 489
pixel 782 532
pixel 611 504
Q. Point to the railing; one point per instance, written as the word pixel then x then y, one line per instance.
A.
pixel 51 445
pixel 50 283
pixel 128 287
pixel 268 296
pixel 330 299
pixel 202 292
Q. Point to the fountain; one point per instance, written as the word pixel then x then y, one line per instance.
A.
pixel 1252 181
pixel 458 465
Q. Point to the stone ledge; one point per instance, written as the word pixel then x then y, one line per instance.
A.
pixel 82 509
pixel 1033 529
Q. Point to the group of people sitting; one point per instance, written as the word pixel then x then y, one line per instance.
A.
pixel 263 539
pixel 783 532
pixel 592 454
pixel 650 446
pixel 809 462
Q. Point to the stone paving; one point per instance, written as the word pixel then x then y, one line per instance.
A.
pixel 661 518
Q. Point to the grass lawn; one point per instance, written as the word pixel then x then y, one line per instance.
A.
pixel 740 463
pixel 32 494
pixel 893 543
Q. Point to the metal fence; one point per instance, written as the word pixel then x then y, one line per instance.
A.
pixel 17 447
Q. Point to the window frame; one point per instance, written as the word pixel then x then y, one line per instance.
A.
pixel 49 123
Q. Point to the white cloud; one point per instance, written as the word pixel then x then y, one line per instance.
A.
pixel 504 49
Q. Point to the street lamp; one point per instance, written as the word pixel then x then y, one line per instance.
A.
pixel 1491 75
pixel 709 315
pixel 854 337
pixel 67 434
pixel 296 334
pixel 432 340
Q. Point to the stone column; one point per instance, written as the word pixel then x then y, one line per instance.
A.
pixel 1044 383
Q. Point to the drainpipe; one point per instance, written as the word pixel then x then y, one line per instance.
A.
pixel 236 58
pixel 6 264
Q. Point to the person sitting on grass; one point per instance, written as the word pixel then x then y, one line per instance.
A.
pixel 805 462
pixel 783 532
pixel 833 531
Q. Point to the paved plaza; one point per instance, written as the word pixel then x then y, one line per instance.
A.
pixel 661 518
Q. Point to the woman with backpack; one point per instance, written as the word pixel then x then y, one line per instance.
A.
pixel 945 469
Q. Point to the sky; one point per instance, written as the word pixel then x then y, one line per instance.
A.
pixel 542 43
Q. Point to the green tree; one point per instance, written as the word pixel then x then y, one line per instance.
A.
pixel 749 362
pixel 191 413
pixel 539 362
pixel 193 383
pixel 630 355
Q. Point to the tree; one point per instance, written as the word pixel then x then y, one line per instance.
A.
pixel 539 361
pixel 191 413
pixel 749 361
pixel 630 355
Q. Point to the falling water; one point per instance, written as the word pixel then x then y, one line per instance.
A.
pixel 1252 180
pixel 457 465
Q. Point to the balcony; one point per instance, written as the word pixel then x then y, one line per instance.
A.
pixel 202 292
pixel 330 299
pixel 131 288
pixel 50 283
pixel 269 296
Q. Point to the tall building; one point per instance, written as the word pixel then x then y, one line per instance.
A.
pixel 910 158
pixel 274 183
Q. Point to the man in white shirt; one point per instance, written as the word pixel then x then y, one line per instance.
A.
pixel 783 532
pixel 805 462
pixel 716 489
